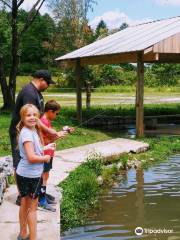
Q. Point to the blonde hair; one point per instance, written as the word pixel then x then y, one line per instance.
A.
pixel 23 113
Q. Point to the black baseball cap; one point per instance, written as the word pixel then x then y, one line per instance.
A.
pixel 45 74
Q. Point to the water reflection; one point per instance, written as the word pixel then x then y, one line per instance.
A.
pixel 146 198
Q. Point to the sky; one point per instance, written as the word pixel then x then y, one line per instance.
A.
pixel 115 12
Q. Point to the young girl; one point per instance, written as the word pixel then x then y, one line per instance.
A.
pixel 29 170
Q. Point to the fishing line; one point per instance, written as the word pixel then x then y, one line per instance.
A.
pixel 93 117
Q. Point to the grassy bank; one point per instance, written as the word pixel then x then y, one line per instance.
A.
pixel 81 189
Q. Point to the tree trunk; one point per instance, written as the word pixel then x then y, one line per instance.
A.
pixel 14 50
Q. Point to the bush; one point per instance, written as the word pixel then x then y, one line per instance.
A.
pixel 95 163
pixel 103 75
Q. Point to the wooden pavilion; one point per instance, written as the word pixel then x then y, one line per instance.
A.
pixel 156 41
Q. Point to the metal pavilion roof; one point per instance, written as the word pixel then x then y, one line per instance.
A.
pixel 132 39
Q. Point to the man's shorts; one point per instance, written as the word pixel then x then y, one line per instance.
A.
pixel 48 166
pixel 29 186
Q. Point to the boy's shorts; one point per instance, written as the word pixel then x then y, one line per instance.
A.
pixel 48 166
pixel 29 186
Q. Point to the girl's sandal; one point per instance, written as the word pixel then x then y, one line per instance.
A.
pixel 20 238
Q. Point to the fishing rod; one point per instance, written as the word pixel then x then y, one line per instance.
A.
pixel 86 121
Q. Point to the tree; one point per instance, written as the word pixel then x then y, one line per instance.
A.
pixel 163 74
pixel 123 26
pixel 16 33
pixel 35 47
pixel 73 31
pixel 101 30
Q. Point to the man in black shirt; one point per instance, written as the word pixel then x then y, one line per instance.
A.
pixel 30 93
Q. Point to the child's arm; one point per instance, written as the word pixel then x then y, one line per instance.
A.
pixel 31 156
pixel 65 131
pixel 53 134
pixel 50 131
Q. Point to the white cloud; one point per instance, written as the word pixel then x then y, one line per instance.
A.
pixel 114 19
pixel 168 2
pixel 27 5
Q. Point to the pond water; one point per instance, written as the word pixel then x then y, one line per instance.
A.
pixel 162 129
pixel 149 199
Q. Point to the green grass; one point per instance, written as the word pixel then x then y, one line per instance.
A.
pixel 5 148
pixel 79 195
pixel 132 89
pixel 160 149
pixel 22 80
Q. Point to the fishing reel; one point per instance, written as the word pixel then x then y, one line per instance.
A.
pixel 66 129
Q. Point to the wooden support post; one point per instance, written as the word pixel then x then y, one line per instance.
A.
pixel 88 94
pixel 78 91
pixel 140 96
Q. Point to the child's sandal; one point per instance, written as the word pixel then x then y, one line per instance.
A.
pixel 20 238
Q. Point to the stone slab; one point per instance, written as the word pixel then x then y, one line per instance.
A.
pixel 67 160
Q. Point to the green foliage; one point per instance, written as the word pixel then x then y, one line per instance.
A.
pixel 95 163
pixel 4 136
pixel 5 37
pixel 72 25
pixel 61 80
pixel 35 47
pixel 160 149
pixel 162 75
pixel 123 26
pixel 127 66
pixel 11 179
pixel 124 159
pixel 109 173
pixel 126 75
pixel 79 194
pixel 108 74
pixel 101 30
pixel 80 191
